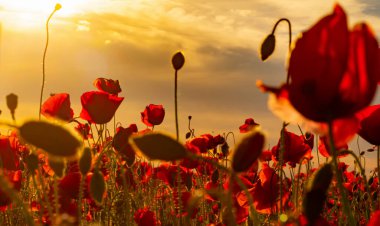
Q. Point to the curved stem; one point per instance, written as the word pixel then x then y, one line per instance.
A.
pixel 290 39
pixel 175 103
pixel 43 60
pixel 233 136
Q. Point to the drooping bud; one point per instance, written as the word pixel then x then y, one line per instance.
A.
pixel 12 101
pixel 267 47
pixel 178 61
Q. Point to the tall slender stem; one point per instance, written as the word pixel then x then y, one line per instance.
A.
pixel 342 190
pixel 44 58
pixel 175 103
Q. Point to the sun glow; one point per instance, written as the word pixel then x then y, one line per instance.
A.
pixel 30 13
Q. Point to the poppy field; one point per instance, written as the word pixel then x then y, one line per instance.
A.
pixel 87 168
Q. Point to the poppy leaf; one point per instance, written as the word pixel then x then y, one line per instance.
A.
pixel 85 161
pixel 97 187
pixel 157 146
pixel 52 138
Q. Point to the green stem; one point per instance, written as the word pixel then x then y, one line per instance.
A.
pixel 175 103
pixel 281 162
pixel 378 171
pixel 43 61
pixel 344 198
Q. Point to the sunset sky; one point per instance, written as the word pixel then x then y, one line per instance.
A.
pixel 133 41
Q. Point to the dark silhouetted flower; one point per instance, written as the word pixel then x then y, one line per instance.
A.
pixel 58 106
pixel 99 107
pixel 153 115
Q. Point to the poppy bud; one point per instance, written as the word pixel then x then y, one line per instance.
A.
pixel 54 139
pixel 267 47
pixel 248 150
pixel 57 7
pixel 322 178
pixel 178 61
pixel 160 147
pixel 97 186
pixel 370 150
pixel 85 161
pixel 12 101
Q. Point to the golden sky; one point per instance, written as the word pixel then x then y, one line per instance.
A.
pixel 133 41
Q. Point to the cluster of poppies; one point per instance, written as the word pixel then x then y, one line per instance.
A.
pixel 96 176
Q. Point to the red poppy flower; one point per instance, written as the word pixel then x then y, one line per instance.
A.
pixel 200 142
pixel 58 106
pixel 266 191
pixel 295 148
pixel 370 124
pixel 145 217
pixel 188 162
pixel 99 107
pixel 15 178
pixel 8 155
pixel 168 174
pixel 334 71
pixel 248 125
pixel 153 115
pixel 375 219
pixel 121 144
pixel 324 147
pixel 84 130
pixel 107 85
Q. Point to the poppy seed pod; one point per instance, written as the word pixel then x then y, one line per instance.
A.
pixel 12 101
pixel 178 61
pixel 267 48
pixel 248 151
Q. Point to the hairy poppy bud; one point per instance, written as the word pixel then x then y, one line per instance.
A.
pixel 267 47
pixel 248 151
pixel 12 101
pixel 178 61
